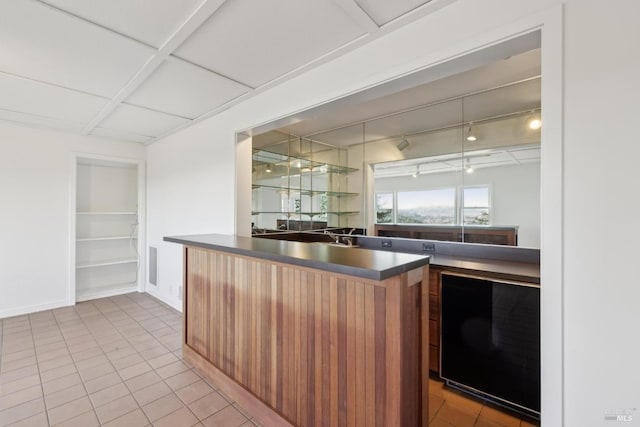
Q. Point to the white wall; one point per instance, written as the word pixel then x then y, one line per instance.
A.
pixel 515 194
pixel 35 184
pixel 191 175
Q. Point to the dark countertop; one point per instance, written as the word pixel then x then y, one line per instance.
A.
pixel 365 263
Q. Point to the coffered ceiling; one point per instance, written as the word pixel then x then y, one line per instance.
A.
pixel 140 69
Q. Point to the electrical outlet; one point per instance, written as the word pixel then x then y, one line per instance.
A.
pixel 386 243
pixel 429 247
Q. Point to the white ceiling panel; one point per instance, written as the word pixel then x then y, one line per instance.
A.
pixel 44 44
pixel 33 120
pixel 383 11
pixel 256 41
pixel 516 68
pixel 28 96
pixel 150 21
pixel 141 121
pixel 120 135
pixel 185 90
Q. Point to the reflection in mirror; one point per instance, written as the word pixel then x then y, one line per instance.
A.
pixel 475 181
pixel 301 184
pixel 454 159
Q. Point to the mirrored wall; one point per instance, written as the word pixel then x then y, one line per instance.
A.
pixel 464 167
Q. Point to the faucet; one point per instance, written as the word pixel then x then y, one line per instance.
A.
pixel 333 236
pixel 348 240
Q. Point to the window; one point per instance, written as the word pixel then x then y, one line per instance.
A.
pixel 427 206
pixel 475 206
pixel 436 206
pixel 384 208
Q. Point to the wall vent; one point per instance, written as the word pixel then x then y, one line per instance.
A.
pixel 153 266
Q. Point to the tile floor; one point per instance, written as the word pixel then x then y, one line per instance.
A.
pixel 117 362
pixel 449 407
pixel 114 362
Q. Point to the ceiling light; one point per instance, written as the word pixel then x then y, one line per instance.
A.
pixel 468 168
pixel 403 144
pixel 535 123
pixel 417 172
pixel 269 167
pixel 470 136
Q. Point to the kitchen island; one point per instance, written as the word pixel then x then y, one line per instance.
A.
pixel 309 334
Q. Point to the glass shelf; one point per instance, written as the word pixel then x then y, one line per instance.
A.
pixel 297 165
pixel 306 213
pixel 304 192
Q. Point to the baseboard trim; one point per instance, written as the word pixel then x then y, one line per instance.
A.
pixel 174 303
pixel 19 311
pixel 260 410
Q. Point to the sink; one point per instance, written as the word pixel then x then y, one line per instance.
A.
pixel 341 245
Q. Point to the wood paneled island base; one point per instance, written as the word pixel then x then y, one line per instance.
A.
pixel 308 347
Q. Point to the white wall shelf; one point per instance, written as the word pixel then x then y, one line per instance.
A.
pixel 96 239
pixel 107 213
pixel 104 263
pixel 107 256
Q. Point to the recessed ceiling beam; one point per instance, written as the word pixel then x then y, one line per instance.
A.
pixel 206 9
pixel 355 12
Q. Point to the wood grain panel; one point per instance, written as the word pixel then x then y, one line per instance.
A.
pixel 318 348
pixel 434 316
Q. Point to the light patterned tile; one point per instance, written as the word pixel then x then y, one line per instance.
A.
pixel 151 393
pixel 127 361
pixel 180 418
pixel 69 410
pixel 135 418
pixel 18 374
pixel 182 379
pixel 38 420
pixel 18 355
pixel 22 411
pixel 162 407
pixel 61 383
pixel 116 408
pixel 194 391
pixel 208 405
pixel 102 382
pixel 134 370
pixel 86 419
pixel 14 399
pixel 7 366
pixel 96 371
pixel 162 360
pixel 109 394
pixel 142 381
pixel 172 369
pixel 228 417
pixel 58 372
pixel 20 384
pixel 66 395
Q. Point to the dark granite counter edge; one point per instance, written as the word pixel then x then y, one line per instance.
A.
pixel 318 265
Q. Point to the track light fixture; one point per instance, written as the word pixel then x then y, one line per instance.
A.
pixel 468 168
pixel 403 144
pixel 470 136
pixel 535 123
